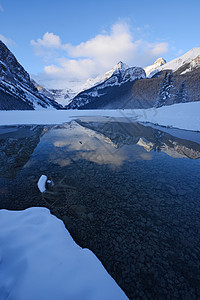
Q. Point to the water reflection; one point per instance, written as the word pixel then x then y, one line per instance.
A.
pixel 149 138
pixel 128 192
pixel 109 143
pixel 115 142
pixel 17 144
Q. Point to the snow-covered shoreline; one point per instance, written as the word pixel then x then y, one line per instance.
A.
pixel 182 116
pixel 40 260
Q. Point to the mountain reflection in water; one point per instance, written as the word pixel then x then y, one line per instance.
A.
pixel 101 143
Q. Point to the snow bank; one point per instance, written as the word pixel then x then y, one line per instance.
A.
pixel 40 260
pixel 183 116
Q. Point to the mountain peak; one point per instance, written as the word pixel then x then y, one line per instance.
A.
pixel 91 82
pixel 160 61
pixel 121 66
pixel 184 63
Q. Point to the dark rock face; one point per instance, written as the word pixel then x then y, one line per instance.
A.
pixel 16 89
pixel 10 68
pixel 8 102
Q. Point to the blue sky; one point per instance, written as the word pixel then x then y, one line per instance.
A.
pixel 84 38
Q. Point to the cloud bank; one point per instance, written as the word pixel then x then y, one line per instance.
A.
pixel 95 56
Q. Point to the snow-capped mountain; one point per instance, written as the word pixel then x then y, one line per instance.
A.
pixel 120 87
pixel 99 79
pixel 158 63
pixel 16 89
pixel 117 77
pixel 63 96
pixel 183 64
pixel 167 83
pixel 66 95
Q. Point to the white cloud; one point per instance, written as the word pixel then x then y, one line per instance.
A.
pixel 1 8
pixel 157 48
pixel 107 49
pixel 71 68
pixel 47 45
pixel 96 55
pixel 7 41
pixel 49 40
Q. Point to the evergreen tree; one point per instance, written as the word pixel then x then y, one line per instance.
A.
pixel 157 141
pixel 165 88
pixel 181 95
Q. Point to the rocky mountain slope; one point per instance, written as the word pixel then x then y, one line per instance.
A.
pixel 17 92
pixel 122 76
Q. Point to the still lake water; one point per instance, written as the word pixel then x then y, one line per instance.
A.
pixel 128 192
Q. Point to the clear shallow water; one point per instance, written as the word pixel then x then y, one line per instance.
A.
pixel 130 193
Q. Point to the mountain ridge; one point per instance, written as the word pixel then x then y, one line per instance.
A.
pixel 120 87
pixel 119 77
pixel 155 90
pixel 175 64
pixel 16 89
